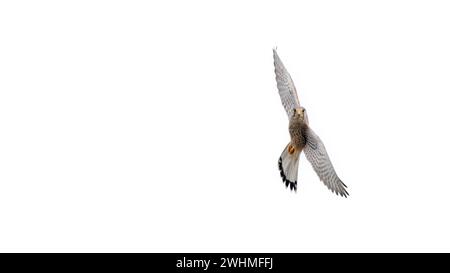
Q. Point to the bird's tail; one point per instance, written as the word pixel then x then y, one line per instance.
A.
pixel 288 166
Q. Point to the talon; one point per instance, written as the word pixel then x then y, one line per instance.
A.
pixel 291 149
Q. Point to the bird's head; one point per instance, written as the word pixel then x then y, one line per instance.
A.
pixel 300 114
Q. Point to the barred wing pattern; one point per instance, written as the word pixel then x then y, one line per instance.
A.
pixel 317 155
pixel 285 85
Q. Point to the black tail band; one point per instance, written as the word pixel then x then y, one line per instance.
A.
pixel 287 182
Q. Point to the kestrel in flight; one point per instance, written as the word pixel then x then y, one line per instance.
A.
pixel 303 138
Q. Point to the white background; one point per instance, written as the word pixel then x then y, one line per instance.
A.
pixel 157 126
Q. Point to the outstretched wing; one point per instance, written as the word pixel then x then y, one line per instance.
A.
pixel 285 85
pixel 317 155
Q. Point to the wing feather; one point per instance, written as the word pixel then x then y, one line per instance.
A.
pixel 285 85
pixel 317 155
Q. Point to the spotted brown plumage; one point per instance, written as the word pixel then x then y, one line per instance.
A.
pixel 303 138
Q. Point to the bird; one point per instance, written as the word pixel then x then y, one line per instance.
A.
pixel 303 138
